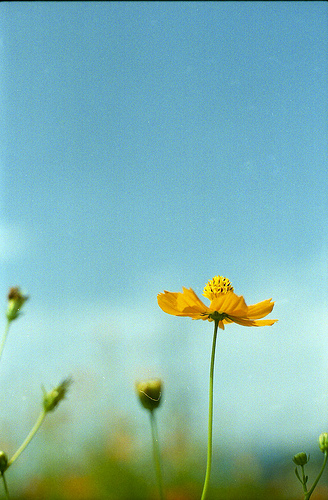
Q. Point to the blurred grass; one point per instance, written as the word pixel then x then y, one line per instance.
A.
pixel 118 466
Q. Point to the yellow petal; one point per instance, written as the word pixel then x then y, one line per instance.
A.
pixel 229 303
pixel 252 322
pixel 260 310
pixel 182 304
pixel 265 322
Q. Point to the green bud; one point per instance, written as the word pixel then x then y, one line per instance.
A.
pixel 323 442
pixel 149 393
pixel 3 462
pixel 15 302
pixel 301 458
pixel 52 399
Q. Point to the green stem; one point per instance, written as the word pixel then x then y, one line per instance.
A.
pixel 210 415
pixel 29 438
pixel 5 485
pixel 3 340
pixel 309 493
pixel 156 452
pixel 304 480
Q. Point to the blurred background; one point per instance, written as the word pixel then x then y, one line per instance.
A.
pixel 149 146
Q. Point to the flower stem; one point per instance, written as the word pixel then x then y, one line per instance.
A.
pixel 29 438
pixel 210 415
pixel 3 340
pixel 309 493
pixel 5 484
pixel 156 452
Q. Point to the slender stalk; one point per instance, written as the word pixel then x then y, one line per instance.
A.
pixel 304 480
pixel 156 452
pixel 309 493
pixel 3 340
pixel 29 438
pixel 5 485
pixel 210 416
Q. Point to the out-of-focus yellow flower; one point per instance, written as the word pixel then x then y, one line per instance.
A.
pixel 225 307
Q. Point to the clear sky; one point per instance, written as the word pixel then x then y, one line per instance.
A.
pixel 153 145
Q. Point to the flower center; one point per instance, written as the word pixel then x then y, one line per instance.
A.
pixel 216 286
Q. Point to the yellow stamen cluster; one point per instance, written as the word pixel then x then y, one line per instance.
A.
pixel 216 286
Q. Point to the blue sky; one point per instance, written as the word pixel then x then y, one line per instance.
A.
pixel 150 146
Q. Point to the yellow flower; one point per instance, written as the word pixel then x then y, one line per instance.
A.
pixel 225 307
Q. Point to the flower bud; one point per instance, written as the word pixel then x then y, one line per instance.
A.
pixel 51 399
pixel 301 458
pixel 323 442
pixel 3 462
pixel 15 302
pixel 149 393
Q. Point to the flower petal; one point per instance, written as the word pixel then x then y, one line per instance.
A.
pixel 260 309
pixel 182 304
pixel 230 304
pixel 252 322
pixel 265 322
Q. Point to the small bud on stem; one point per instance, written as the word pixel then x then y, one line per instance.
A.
pixel 323 442
pixel 3 462
pixel 15 302
pixel 52 399
pixel 149 393
pixel 301 458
